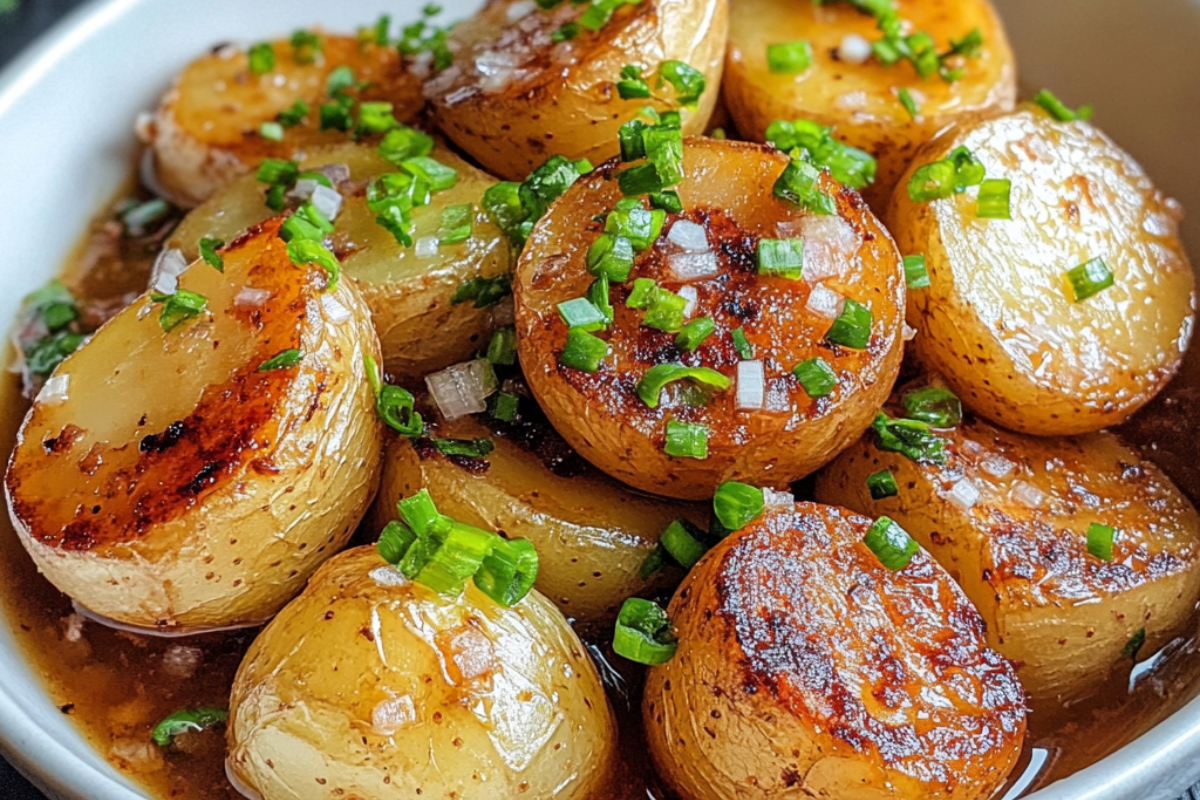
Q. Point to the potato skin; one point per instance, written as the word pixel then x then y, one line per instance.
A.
pixel 562 99
pixel 999 322
pixel 205 131
pixel 370 686
pixel 179 488
pixel 861 101
pixel 805 668
pixel 1062 615
pixel 728 189
pixel 409 296
pixel 592 534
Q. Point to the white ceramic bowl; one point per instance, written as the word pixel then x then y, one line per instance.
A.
pixel 66 112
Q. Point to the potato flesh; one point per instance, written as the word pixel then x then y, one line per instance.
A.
pixel 154 493
pixel 409 295
pixel 206 130
pixel 728 188
pixel 513 97
pixel 999 321
pixel 1062 615
pixel 806 668
pixel 368 685
pixel 861 100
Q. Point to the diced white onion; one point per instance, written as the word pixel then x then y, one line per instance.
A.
pixel 1027 494
pixel 909 333
pixel 751 384
pixel 327 201
pixel 388 576
pixel 462 389
pixel 393 715
pixel 854 49
pixel 824 302
pixel 180 661
pixel 772 498
pixel 73 628
pixel 303 189
pixel 520 10
pixel 971 447
pixel 689 294
pixel 336 173
pixel 830 245
pixel 964 494
pixel 996 465
pixel 693 266
pixel 169 265
pixel 54 390
pixel 426 247
pixel 335 312
pixel 689 236
pixel 251 297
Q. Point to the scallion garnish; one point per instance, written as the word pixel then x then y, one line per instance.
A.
pixel 952 175
pixel 816 377
pixel 693 334
pixel 639 225
pixel 632 86
pixel 643 633
pixel 994 199
pixel 1048 102
pixel 335 116
pixel 509 572
pixel 686 440
pixel 741 344
pixel 262 58
pixel 582 313
pixel 789 57
pixel 1135 644
pixel 502 349
pixel 781 258
pixel 736 505
pixel 439 176
pixel 271 131
pixel 393 404
pixel 668 201
pixel 891 544
pixel 935 405
pixel 177 307
pixel 882 485
pixel 583 351
pixel 209 251
pixel 611 255
pixel 457 222
pixel 910 104
pixel 294 115
pixel 282 360
pixel 684 543
pixel 375 118
pixel 402 143
pixel 482 292
pixel 504 406
pixel 43 356
pixel 516 208
pixel 688 82
pixel 915 274
pixel 800 185
pixel 277 171
pixel 657 377
pixel 852 328
pixel 467 448
pixel 598 294
pixel 187 721
pixel 305 46
pixel 850 165
pixel 909 437
pixel 306 251
pixel 1089 279
pixel 565 32
pixel 1100 541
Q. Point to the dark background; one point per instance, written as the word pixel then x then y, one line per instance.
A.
pixel 20 22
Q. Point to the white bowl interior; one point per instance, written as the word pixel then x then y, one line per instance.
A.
pixel 66 112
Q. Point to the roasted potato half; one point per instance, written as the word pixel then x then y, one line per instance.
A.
pixel 514 97
pixel 1008 516
pixel 1000 319
pixel 407 289
pixel 592 534
pixel 861 99
pixel 728 201
pixel 194 478
pixel 368 685
pixel 206 130
pixel 805 668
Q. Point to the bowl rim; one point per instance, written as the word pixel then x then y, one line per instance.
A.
pixel 1152 767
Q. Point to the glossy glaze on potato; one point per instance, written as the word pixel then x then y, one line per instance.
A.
pixel 177 486
pixel 1065 617
pixel 513 97
pixel 728 190
pixel 999 321
pixel 861 100
pixel 806 668
pixel 368 685
pixel 408 294
pixel 205 131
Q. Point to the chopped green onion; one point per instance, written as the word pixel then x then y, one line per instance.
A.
pixel 683 542
pixel 850 165
pixel 404 143
pixel 547 183
pixel 783 258
pixel 209 248
pixel 509 572
pixel 271 131
pixel 994 199
pixel 283 360
pixel 789 57
pixel 686 440
pixel 583 351
pixel 693 334
pixel 339 81
pixel 483 292
pixel 598 294
pixel 502 349
pixel 177 307
pixel 630 219
pixel 952 175
pixel 910 105
pixel 305 46
pixel 393 404
pixel 307 251
pixel 891 544
pixel 612 256
pixel 852 328
pixel 44 355
pixel 186 721
pixel 582 313
pixel 665 311
pixel 882 485
pixel 1057 109
pixel 1100 541
pixel 457 222
pixel 668 201
pixel 262 58
pixel 293 116
pixel 1089 279
pixel 630 138
pixel 643 632
pixel 394 541
pixel 688 82
pixel 664 149
pixel 504 406
pixel 816 377
pixel 335 116
pixel 800 185
pixel 277 172
pixel 1135 644
pixel 632 86
pixel 639 180
pixel 565 32
pixel 469 448
pixel 657 377
pixel 909 437
pixel 741 344
pixel 736 505
pixel 375 118
pixel 54 303
pixel 455 557
pixel 915 274
pixel 936 405
pixel 439 176
pixel 642 293
pixel 419 512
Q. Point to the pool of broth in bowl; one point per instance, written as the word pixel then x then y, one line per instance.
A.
pixel 116 686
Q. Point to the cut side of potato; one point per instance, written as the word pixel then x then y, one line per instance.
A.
pixel 407 288
pixel 206 131
pixel 805 668
pixel 593 535
pixel 727 197
pixel 174 480
pixel 515 97
pixel 1008 516
pixel 368 685
pixel 861 100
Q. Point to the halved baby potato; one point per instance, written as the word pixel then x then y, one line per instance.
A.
pixel 407 289
pixel 515 96
pixel 1008 516
pixel 368 685
pixel 206 130
pixel 805 668
pixel 1001 320
pixel 727 196
pixel 593 535
pixel 861 100
pixel 190 479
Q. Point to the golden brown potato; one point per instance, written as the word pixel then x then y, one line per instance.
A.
pixel 408 293
pixel 205 132
pixel 513 97
pixel 727 192
pixel 805 668
pixel 861 100
pixel 592 534
pixel 1000 320
pixel 368 685
pixel 1008 516
pixel 173 483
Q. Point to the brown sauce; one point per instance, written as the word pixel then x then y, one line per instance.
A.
pixel 116 686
